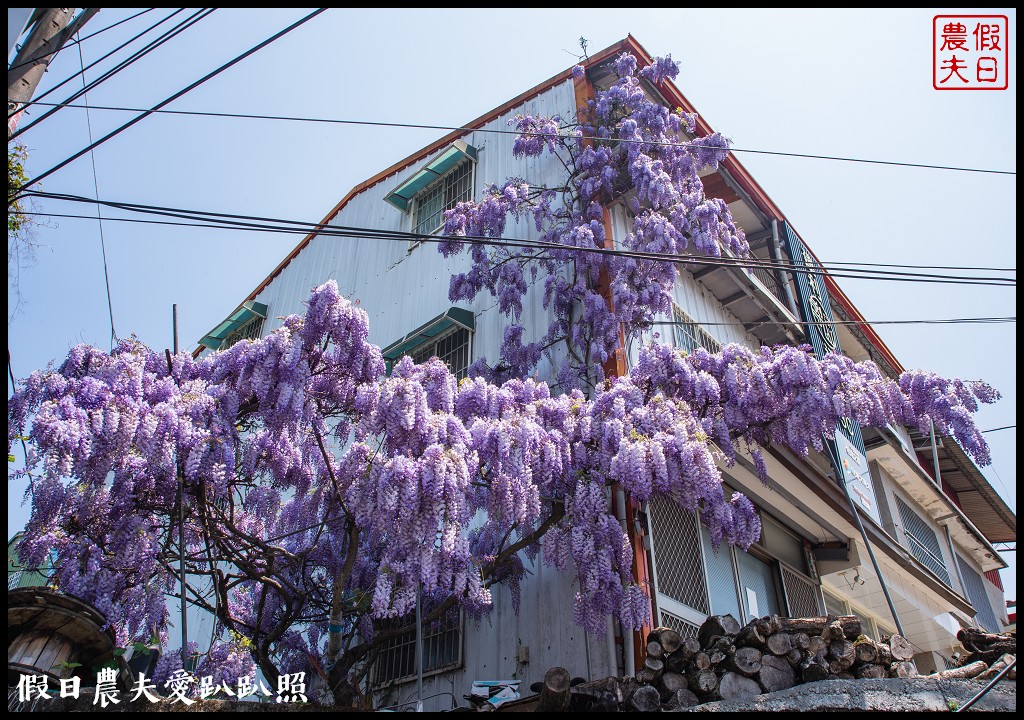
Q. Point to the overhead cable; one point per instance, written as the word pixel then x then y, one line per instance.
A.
pixel 468 129
pixel 173 97
pixel 301 227
pixel 165 37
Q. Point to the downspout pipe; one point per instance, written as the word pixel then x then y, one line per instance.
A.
pixel 613 653
pixel 628 657
pixel 783 278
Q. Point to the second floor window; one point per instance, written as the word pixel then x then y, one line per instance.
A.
pixel 689 335
pixel 429 206
pixel 453 348
pixel 921 541
pixel 251 330
pixel 439 185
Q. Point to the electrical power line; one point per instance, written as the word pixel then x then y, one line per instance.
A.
pixel 75 42
pixel 99 213
pixel 137 55
pixel 114 25
pixel 1004 427
pixel 776 264
pixel 1009 319
pixel 175 96
pixel 38 99
pixel 301 227
pixel 463 128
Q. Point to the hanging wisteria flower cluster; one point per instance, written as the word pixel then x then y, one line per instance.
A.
pixel 319 494
pixel 624 145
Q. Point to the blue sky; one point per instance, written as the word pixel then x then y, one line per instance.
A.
pixel 841 83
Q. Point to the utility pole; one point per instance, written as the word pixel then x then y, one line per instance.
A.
pixel 52 28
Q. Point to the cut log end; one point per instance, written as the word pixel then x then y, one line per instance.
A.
pixel 735 686
pixel 646 699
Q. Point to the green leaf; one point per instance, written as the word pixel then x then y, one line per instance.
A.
pixel 10 458
pixel 118 651
pixel 66 665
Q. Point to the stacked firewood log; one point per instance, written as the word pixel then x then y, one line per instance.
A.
pixel 987 655
pixel 725 661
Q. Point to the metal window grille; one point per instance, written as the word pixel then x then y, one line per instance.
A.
pixel 689 335
pixel 922 542
pixel 979 598
pixel 251 330
pixel 803 595
pixel 13 579
pixel 677 554
pixel 453 349
pixel 454 187
pixel 442 650
pixel 684 628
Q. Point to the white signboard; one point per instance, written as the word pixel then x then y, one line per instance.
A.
pixel 857 476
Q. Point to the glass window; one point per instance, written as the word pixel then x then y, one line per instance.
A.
pixel 689 335
pixel 442 650
pixel 721 577
pixel 783 545
pixel 833 605
pixel 758 591
pixel 867 625
pixel 251 330
pixel 978 596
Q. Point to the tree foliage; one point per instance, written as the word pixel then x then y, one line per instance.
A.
pixel 321 493
pixel 21 246
pixel 16 178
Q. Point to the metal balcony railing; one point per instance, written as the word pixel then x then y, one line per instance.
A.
pixel 771 283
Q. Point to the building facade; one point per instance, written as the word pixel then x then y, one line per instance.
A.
pixel 929 517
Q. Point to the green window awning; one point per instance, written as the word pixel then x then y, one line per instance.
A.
pixel 428 331
pixel 402 196
pixel 216 337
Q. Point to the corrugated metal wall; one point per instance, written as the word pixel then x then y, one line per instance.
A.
pixel 399 289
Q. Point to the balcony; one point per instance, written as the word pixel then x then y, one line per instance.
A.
pixel 755 296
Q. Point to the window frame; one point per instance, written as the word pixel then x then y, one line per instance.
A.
pixel 873 628
pixel 918 546
pixel 679 613
pixel 251 329
pixel 684 326
pixel 434 342
pixel 397 653
pixel 441 184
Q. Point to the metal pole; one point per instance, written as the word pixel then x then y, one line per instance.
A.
pixel 956 562
pixel 988 687
pixel 935 457
pixel 871 553
pixel 181 527
pixel 419 652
